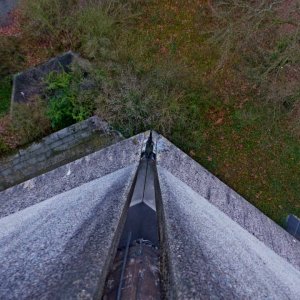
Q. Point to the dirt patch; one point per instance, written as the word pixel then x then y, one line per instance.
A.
pixel 289 13
pixel 12 27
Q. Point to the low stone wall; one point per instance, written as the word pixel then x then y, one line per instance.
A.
pixel 55 150
pixel 30 83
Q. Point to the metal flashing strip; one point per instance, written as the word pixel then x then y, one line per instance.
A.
pixel 138 250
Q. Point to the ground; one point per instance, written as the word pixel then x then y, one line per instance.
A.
pixel 223 89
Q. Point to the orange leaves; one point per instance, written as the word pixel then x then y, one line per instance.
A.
pixel 14 27
pixel 219 121
pixel 217 116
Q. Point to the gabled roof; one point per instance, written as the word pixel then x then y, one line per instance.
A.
pixel 59 231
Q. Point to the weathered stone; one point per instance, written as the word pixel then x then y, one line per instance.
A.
pixel 56 143
pixel 293 226
pixel 30 83
pixel 209 256
pixel 59 148
pixel 71 175
pixel 227 200
pixel 35 147
pixel 62 248
pixel 84 134
pixel 59 231
pixel 6 172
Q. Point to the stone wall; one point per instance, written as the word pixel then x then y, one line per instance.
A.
pixel 56 149
pixel 30 83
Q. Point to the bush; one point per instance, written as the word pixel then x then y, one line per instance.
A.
pixel 133 101
pixel 29 121
pixel 68 101
pixel 11 57
pixel 60 99
pixel 84 26
pixel 46 20
pixel 5 95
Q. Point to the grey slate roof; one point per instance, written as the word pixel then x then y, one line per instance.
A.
pixel 59 231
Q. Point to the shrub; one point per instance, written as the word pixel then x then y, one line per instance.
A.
pixel 133 102
pixel 11 57
pixel 46 20
pixel 5 95
pixel 29 121
pixel 92 30
pixel 68 100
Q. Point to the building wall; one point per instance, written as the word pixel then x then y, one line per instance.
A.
pixel 56 149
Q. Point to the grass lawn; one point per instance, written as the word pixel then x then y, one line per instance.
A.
pixel 232 134
pixel 215 80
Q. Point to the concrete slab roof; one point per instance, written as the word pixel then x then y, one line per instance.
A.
pixel 71 175
pixel 214 244
pixel 212 257
pixel 227 200
pixel 61 248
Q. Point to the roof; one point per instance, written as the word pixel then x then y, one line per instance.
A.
pixel 59 232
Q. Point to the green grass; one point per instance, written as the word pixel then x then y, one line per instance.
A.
pixel 5 95
pixel 213 83
pixel 224 123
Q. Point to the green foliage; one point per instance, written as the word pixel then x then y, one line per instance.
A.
pixel 92 30
pixel 5 94
pixel 4 148
pixel 67 101
pixel 11 56
pixel 215 79
pixel 29 121
pixel 60 99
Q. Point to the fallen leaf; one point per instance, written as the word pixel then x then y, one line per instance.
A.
pixel 219 121
pixel 192 153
